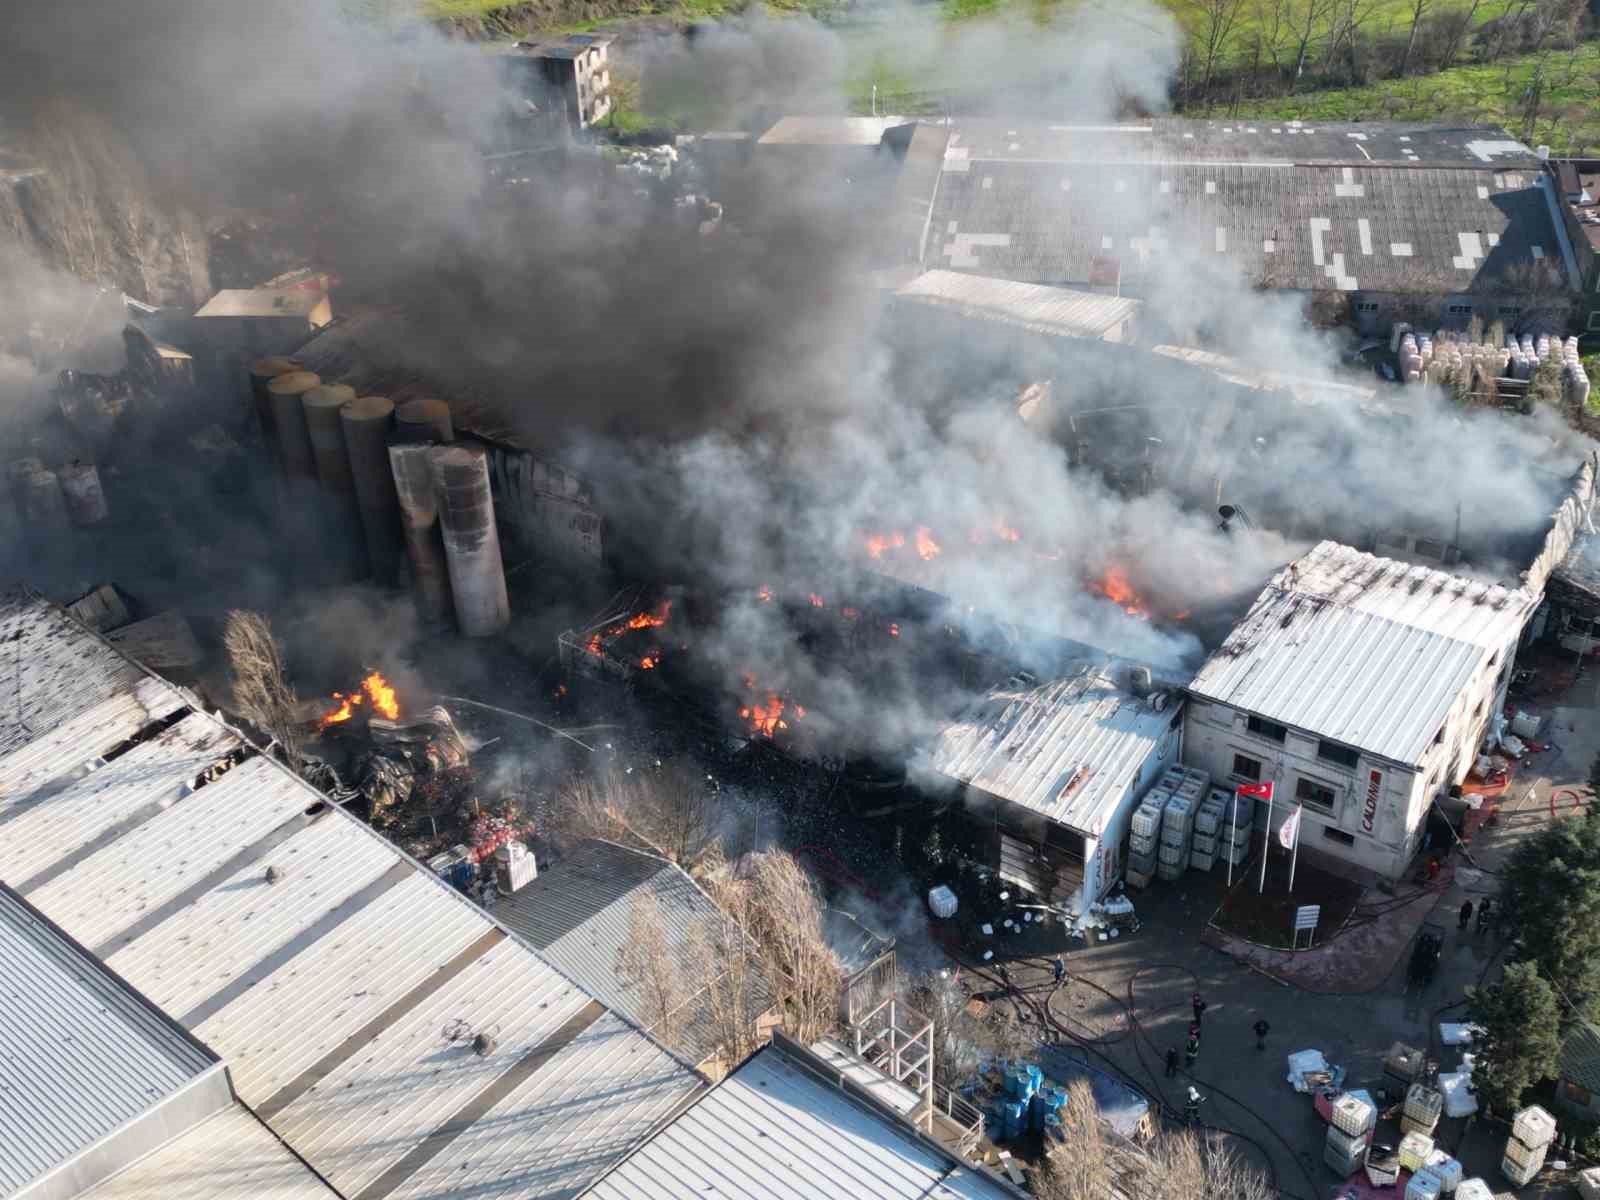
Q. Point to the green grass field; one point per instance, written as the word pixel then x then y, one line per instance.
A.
pixel 1569 112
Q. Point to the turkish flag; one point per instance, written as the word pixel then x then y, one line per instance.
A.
pixel 1261 790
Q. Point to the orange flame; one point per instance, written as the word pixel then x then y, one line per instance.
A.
pixel 649 661
pixel 374 689
pixel 894 629
pixel 765 716
pixel 877 543
pixel 764 593
pixel 649 620
pixel 816 600
pixel 926 546
pixel 1114 586
pixel 1005 532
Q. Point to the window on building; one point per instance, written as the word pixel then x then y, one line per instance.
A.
pixel 1335 753
pixel 1247 768
pixel 1315 795
pixel 1459 310
pixel 1366 306
pixel 1267 729
pixel 1338 835
pixel 1428 548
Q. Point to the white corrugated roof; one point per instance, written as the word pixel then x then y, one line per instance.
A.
pixel 829 131
pixel 1362 650
pixel 80 1055
pixel 771 1129
pixel 1054 310
pixel 327 992
pixel 231 1156
pixel 1068 749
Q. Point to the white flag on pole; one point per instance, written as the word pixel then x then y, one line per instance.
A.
pixel 1289 831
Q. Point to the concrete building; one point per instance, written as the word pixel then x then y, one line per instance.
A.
pixel 395 1038
pixel 788 1123
pixel 1431 223
pixel 579 913
pixel 1053 772
pixel 570 75
pixel 1362 687
pixel 1577 183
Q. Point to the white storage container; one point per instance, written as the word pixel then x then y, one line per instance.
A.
pixel 1204 843
pixel 1193 791
pixel 1423 1186
pixel 1423 1104
pixel 1179 808
pixel 1445 1169
pixel 1341 1163
pixel 942 901
pixel 1171 855
pixel 1146 821
pixel 1414 1150
pixel 1172 778
pixel 1347 1144
pixel 1196 775
pixel 1353 1115
pixel 1533 1126
pixel 1201 862
pixel 1521 1174
pixel 1170 871
pixel 1518 1151
pixel 1138 879
pixel 1588 1183
pixel 1144 864
pixel 1236 853
pixel 1207 820
pixel 1418 1125
pixel 1474 1189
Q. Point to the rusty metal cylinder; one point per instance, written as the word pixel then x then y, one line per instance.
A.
pixel 409 463
pixel 289 422
pixel 321 406
pixel 366 421
pixel 471 542
pixel 85 499
pixel 423 420
pixel 262 372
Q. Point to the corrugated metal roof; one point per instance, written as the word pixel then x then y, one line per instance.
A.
pixel 231 1156
pixel 80 1054
pixel 331 992
pixel 829 131
pixel 579 911
pixel 1362 650
pixel 1580 1056
pixel 771 1129
pixel 1068 749
pixel 1053 310
pixel 263 302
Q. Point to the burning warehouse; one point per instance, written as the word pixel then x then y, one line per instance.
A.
pixel 1052 772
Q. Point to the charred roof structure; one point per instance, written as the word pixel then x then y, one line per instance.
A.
pixel 578 913
pixel 395 1037
pixel 1375 210
pixel 1361 686
pixel 786 1123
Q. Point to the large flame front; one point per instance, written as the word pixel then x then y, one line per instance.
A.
pixel 764 712
pixel 644 620
pixel 1115 587
pixel 375 690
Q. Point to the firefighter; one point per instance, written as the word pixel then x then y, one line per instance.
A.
pixel 1191 1106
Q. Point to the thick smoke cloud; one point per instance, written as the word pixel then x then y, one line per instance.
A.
pixel 744 407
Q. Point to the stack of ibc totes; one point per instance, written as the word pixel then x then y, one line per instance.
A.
pixel 1177 828
pixel 1208 831
pixel 1142 838
pixel 1532 1131
pixel 1421 1113
pixel 1349 1134
pixel 1233 843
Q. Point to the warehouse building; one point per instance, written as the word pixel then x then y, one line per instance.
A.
pixel 1052 772
pixel 1362 688
pixel 393 1036
pixel 1432 224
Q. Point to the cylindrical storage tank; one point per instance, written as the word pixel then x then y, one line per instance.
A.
pixel 262 372
pixel 80 487
pixel 366 434
pixel 321 405
pixel 409 463
pixel 44 508
pixel 471 543
pixel 424 420
pixel 289 422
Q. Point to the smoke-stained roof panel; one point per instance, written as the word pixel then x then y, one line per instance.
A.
pixel 1365 651
pixel 343 984
pixel 1068 749
pixel 1059 311
pixel 1320 225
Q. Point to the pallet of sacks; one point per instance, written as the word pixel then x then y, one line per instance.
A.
pixel 1532 1131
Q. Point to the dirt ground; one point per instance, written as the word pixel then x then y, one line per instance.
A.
pixel 1348 999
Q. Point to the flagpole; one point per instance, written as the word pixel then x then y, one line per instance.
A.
pixel 1294 858
pixel 1234 839
pixel 1266 847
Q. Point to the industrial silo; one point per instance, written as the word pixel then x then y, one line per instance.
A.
pixel 289 422
pixel 419 525
pixel 423 420
pixel 366 421
pixel 321 405
pixel 471 543
pixel 262 372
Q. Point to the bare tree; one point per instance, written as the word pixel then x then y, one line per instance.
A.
pixel 647 963
pixel 722 953
pixel 672 812
pixel 1088 1170
pixel 1305 18
pixel 261 689
pixel 1213 23
pixel 785 918
pixel 1419 10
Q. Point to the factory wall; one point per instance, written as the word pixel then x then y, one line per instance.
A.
pixel 543 507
